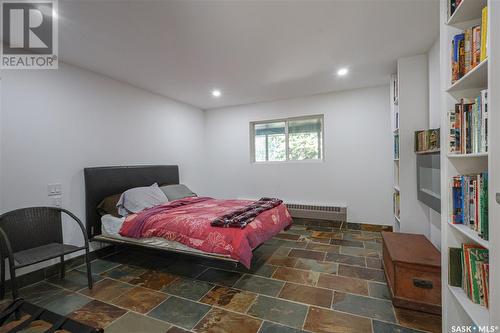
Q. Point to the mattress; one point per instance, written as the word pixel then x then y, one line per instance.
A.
pixel 110 227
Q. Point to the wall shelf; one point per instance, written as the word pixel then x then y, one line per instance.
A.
pixel 470 234
pixel 472 82
pixel 434 151
pixel 477 155
pixel 468 10
pixel 479 314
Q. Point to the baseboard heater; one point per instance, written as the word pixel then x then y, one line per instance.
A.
pixel 318 212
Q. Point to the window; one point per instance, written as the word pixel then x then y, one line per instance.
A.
pixel 292 139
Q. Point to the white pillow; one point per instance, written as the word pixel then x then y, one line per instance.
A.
pixel 140 198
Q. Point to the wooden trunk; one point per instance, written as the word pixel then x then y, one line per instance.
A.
pixel 413 270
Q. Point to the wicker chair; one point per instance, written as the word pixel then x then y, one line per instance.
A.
pixel 32 235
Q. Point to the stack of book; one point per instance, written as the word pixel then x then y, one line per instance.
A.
pixel 396 146
pixel 469 125
pixel 427 140
pixel 469 269
pixel 470 202
pixel 469 48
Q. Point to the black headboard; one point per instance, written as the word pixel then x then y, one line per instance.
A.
pixel 102 182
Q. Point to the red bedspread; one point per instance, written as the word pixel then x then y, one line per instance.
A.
pixel 189 224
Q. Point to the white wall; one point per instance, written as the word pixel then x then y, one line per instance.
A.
pixel 434 122
pixel 357 169
pixel 56 122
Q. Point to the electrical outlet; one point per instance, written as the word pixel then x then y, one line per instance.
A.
pixel 54 189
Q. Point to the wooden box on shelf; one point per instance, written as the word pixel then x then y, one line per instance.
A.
pixel 413 270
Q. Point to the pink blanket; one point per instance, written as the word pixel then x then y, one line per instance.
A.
pixel 188 221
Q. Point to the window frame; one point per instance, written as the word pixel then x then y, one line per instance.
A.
pixel 287 159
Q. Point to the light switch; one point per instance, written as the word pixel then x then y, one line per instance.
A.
pixel 54 189
pixel 57 201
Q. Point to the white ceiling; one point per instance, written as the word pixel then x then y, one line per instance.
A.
pixel 251 50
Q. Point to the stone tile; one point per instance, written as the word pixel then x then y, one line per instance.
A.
pixel 185 268
pixel 308 254
pixel 340 283
pixel 97 314
pixel 154 280
pixel 327 321
pixel 323 247
pixel 268 327
pixel 317 266
pixel 289 243
pixel 282 261
pixel 219 320
pixel 354 226
pixel 364 306
pixel 379 290
pixel 419 320
pixel 39 292
pixel 319 240
pixel 260 270
pixel 319 228
pixel 374 263
pixel 373 246
pixel 259 285
pixel 230 299
pixel 64 303
pixel 309 295
pixel 362 236
pixel 106 290
pixel 288 236
pixel 217 276
pixel 297 276
pixel 382 327
pixel 345 259
pixel 345 242
pixel 375 227
pixel 125 273
pixel 362 273
pixel 140 299
pixel 136 323
pixel 180 312
pixel 73 280
pixel 282 251
pixel 177 330
pixel 326 234
pixel 280 311
pixel 188 288
pixel 357 251
pixel 98 266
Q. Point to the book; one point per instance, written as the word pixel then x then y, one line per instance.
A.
pixel 476 46
pixel 427 140
pixel 468 125
pixel 484 33
pixel 469 195
pixel 467 51
pixel 455 267
pixel 469 48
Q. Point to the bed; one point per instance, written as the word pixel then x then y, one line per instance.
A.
pixel 236 245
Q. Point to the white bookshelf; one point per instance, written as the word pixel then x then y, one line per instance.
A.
pixel 458 309
pixel 411 85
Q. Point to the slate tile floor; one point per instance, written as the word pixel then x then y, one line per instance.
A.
pixel 308 279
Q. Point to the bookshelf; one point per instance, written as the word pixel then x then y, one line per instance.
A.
pixel 395 150
pixel 409 105
pixel 458 309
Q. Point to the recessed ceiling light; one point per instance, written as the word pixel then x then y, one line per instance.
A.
pixel 216 93
pixel 342 72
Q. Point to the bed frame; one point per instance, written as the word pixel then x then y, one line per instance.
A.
pixel 101 182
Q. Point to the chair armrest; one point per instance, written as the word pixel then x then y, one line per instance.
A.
pixel 78 221
pixel 6 241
